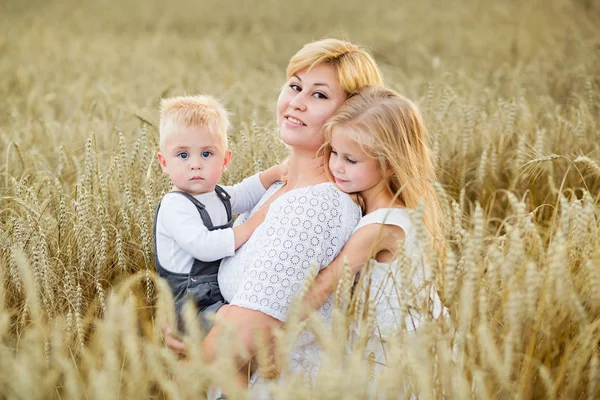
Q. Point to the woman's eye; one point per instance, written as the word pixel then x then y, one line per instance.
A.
pixel 295 87
pixel 320 95
pixel 183 155
pixel 333 153
pixel 206 154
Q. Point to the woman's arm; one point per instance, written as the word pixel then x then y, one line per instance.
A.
pixel 309 226
pixel 306 226
pixel 247 326
pixel 365 243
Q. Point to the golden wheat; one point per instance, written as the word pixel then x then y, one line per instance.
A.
pixel 512 102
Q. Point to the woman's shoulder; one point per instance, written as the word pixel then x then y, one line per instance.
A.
pixel 325 196
pixel 324 202
pixel 324 192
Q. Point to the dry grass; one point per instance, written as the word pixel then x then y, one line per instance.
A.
pixel 509 90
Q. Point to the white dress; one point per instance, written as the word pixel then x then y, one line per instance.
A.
pixel 303 226
pixel 387 288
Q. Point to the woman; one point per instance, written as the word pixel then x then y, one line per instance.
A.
pixel 309 218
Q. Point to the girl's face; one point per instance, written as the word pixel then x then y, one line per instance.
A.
pixel 354 170
pixel 305 103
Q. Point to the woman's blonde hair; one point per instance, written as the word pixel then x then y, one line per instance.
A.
pixel 355 67
pixel 389 128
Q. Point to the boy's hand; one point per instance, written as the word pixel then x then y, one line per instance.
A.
pixel 242 233
pixel 259 216
pixel 275 173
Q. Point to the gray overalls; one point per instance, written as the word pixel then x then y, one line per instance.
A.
pixel 200 284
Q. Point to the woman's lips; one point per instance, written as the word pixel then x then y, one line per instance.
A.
pixel 293 121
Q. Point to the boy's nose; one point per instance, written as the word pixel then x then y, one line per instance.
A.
pixel 195 164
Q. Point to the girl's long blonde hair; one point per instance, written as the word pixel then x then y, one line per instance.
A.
pixel 389 128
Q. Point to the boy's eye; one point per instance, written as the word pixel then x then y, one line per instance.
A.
pixel 183 155
pixel 320 95
pixel 206 154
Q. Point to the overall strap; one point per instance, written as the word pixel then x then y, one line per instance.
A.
pixel 201 209
pixel 224 196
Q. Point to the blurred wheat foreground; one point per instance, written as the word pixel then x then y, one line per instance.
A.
pixel 512 102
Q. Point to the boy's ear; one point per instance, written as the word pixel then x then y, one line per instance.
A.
pixel 226 160
pixel 162 161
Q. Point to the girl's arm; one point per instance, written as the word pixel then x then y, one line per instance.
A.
pixel 364 244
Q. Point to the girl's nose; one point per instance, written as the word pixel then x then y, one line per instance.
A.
pixel 338 165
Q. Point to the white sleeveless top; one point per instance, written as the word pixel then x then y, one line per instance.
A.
pixel 388 283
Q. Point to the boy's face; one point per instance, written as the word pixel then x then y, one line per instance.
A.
pixel 194 158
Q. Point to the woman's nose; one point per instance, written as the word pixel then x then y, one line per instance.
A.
pixel 298 102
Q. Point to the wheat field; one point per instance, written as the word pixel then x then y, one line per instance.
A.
pixel 510 92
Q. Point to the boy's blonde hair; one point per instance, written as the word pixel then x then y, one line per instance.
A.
pixel 389 128
pixel 355 67
pixel 193 111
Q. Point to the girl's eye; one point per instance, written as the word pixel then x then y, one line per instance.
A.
pixel 320 95
pixel 351 161
pixel 295 87
pixel 206 154
pixel 183 155
pixel 333 153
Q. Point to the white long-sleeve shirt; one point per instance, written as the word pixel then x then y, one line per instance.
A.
pixel 181 236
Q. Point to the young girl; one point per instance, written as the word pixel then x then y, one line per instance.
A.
pixel 376 145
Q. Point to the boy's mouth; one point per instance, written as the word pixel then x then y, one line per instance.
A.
pixel 197 178
pixel 338 180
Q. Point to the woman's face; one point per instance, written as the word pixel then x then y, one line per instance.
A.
pixel 306 101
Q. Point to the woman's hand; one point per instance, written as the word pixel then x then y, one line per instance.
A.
pixel 172 342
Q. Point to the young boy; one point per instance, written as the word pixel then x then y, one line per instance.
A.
pixel 193 223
